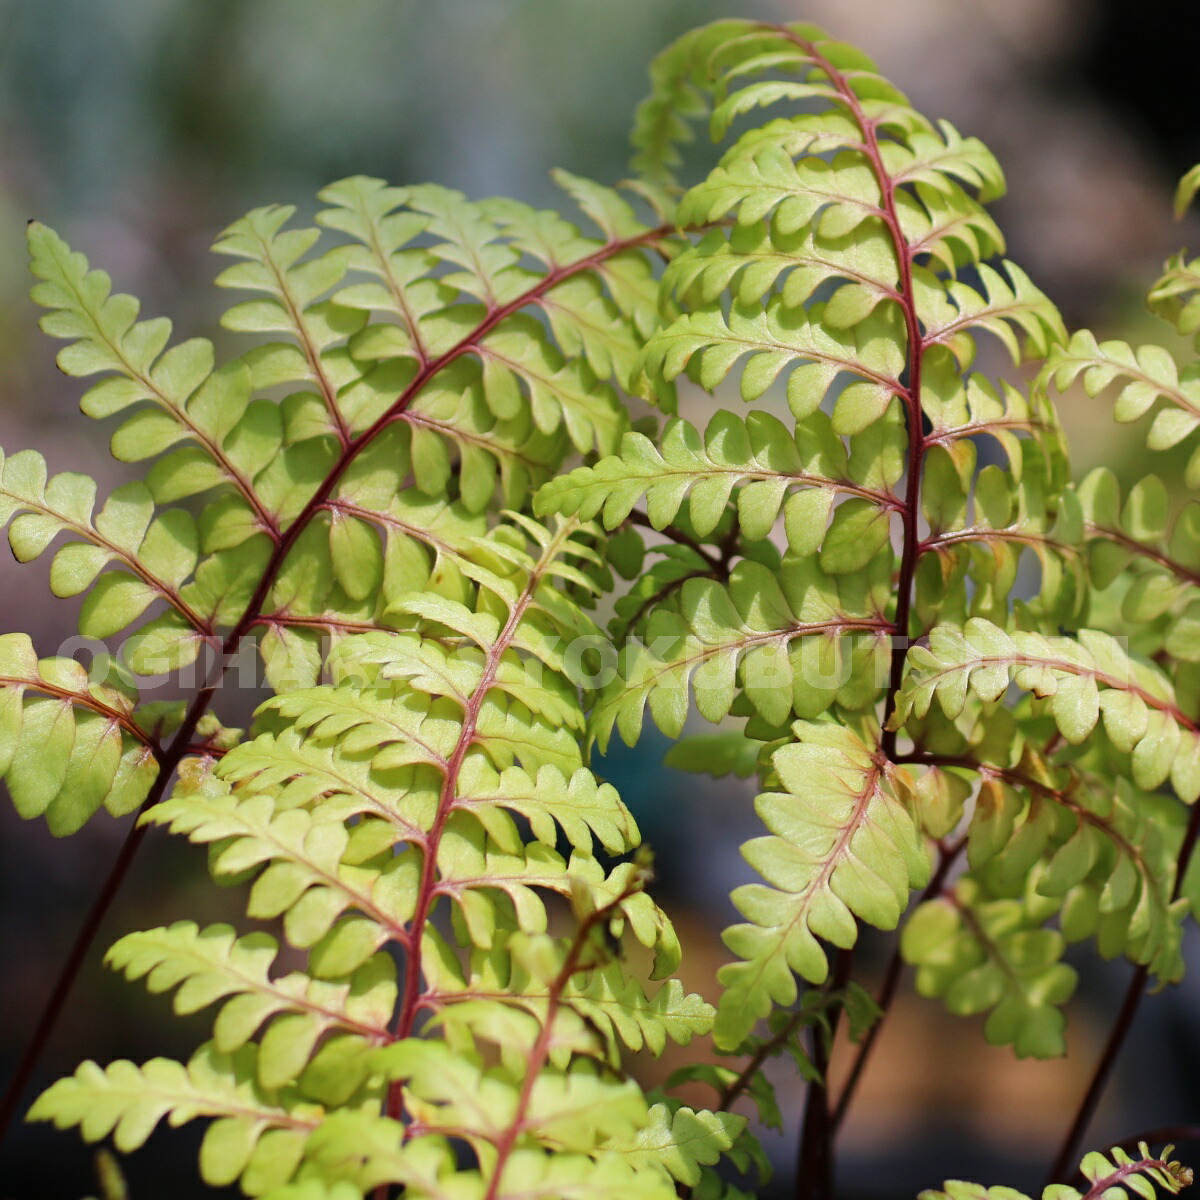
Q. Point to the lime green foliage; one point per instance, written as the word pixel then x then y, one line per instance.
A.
pixel 994 956
pixel 844 845
pixel 70 739
pixel 356 809
pixel 968 689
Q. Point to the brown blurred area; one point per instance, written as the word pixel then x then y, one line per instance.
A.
pixel 140 128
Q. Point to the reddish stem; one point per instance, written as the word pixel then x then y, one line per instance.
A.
pixel 83 700
pixel 541 1048
pixel 1069 1150
pixel 734 1089
pixel 887 992
pixel 814 1161
pixel 1101 1186
pixel 1121 538
pixel 818 1130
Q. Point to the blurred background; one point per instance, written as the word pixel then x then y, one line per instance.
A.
pixel 140 128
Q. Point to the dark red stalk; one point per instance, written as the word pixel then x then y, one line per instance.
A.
pixel 734 1089
pixel 1069 1150
pixel 910 394
pixel 887 991
pixel 200 705
pixel 815 1153
pixel 815 1172
pixel 814 1159
pixel 572 965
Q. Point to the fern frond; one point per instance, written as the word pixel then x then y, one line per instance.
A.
pixel 1012 309
pixel 985 955
pixel 680 1140
pixel 190 401
pixel 1152 559
pixel 609 1002
pixel 1100 848
pixel 779 338
pixel 71 743
pixel 1175 294
pixel 419 784
pixel 749 262
pixel 1082 680
pixel 696 75
pixel 256 1136
pixel 291 289
pixel 1139 379
pixel 1116 1175
pixel 306 880
pixel 844 847
pixel 1008 516
pixel 155 553
pixel 213 965
pixel 775 468
pixel 781 640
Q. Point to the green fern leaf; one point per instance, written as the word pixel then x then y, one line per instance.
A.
pixel 782 640
pixel 982 955
pixel 681 1140
pixel 844 845
pixel 770 463
pixel 1081 680
pixel 1139 379
pixel 70 743
pixel 214 965
pixel 869 352
pixel 253 1138
pixel 1118 1175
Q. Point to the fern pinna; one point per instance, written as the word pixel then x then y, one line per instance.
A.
pixel 378 496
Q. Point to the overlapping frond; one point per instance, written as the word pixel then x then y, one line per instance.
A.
pixel 377 492
pixel 980 954
pixel 792 641
pixel 213 965
pixel 981 521
pixel 1081 680
pixel 759 463
pixel 72 740
pixel 417 357
pixel 1103 851
pixel 1147 558
pixel 257 1136
pixel 357 810
pixel 844 847
pixel 187 400
pixel 1138 379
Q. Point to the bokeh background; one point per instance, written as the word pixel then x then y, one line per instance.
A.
pixel 140 128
